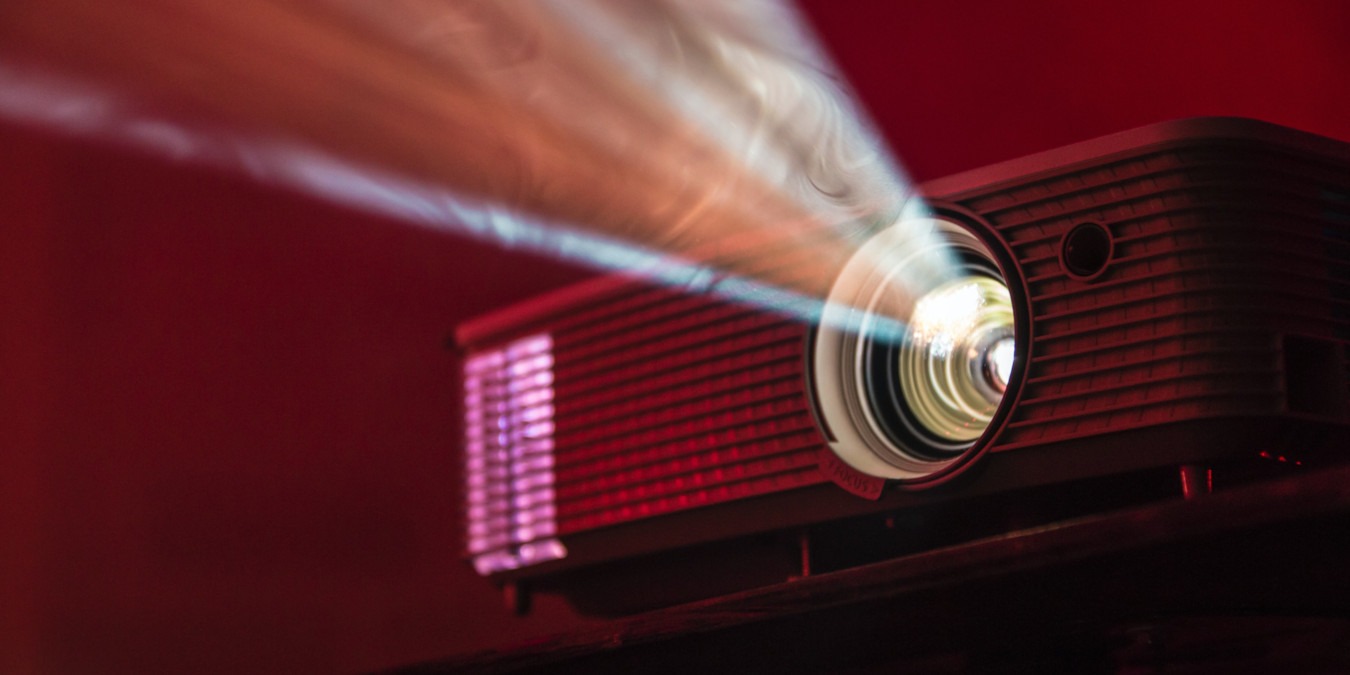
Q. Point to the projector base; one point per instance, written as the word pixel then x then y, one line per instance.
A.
pixel 1249 579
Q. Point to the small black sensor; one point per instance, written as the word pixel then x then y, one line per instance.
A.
pixel 1086 250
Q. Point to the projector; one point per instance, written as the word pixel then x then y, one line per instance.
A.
pixel 1176 296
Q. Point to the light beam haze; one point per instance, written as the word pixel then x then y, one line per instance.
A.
pixel 706 143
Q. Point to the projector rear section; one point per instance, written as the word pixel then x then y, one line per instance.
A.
pixel 1224 295
pixel 1182 295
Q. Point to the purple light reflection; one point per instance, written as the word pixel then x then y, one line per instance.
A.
pixel 509 470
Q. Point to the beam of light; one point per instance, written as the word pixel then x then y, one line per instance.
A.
pixel 701 143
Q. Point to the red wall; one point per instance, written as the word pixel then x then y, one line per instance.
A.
pixel 229 436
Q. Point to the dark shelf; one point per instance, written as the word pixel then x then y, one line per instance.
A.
pixel 1250 579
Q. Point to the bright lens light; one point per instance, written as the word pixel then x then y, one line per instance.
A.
pixel 999 362
pixel 945 378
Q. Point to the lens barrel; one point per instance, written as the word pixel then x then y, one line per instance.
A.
pixel 917 350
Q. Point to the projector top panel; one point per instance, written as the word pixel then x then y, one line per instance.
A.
pixel 1130 143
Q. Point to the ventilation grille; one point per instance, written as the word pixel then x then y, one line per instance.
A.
pixel 508 455
pixel 657 402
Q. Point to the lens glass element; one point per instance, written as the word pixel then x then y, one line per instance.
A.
pixel 955 366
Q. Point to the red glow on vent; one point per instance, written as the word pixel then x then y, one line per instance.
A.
pixel 1279 458
pixel 665 402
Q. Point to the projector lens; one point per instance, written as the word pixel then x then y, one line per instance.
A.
pixel 917 351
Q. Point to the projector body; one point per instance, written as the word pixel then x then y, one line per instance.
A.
pixel 1183 298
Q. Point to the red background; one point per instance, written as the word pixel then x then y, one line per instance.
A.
pixel 229 422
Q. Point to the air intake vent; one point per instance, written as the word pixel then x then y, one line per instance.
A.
pixel 651 403
pixel 678 402
pixel 509 428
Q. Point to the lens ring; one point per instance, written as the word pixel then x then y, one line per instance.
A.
pixel 905 404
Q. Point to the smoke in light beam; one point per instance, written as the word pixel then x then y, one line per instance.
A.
pixel 704 143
